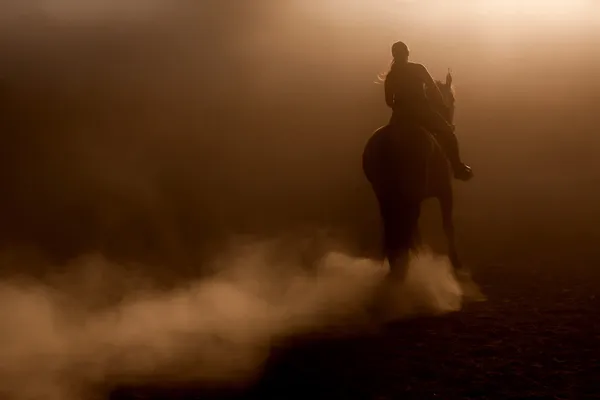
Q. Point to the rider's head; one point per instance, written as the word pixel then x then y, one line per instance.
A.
pixel 400 57
pixel 400 52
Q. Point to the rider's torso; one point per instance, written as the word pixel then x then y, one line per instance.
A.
pixel 409 91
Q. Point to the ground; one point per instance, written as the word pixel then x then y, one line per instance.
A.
pixel 537 337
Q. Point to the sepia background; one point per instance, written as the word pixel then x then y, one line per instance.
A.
pixel 149 128
pixel 155 131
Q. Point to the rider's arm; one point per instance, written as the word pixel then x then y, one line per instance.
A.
pixel 426 77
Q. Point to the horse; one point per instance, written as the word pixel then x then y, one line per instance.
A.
pixel 405 165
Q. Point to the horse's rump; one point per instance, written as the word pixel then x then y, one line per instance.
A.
pixel 395 161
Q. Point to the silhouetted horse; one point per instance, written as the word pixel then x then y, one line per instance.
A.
pixel 405 165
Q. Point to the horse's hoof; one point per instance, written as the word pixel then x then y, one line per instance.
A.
pixel 471 291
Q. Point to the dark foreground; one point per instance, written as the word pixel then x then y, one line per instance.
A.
pixel 537 337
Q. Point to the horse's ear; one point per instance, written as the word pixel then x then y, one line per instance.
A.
pixel 449 77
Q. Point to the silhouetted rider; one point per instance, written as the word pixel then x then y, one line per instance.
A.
pixel 405 95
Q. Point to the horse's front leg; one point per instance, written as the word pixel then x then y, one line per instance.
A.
pixel 462 274
pixel 446 201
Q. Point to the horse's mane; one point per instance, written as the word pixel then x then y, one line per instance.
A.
pixel 448 93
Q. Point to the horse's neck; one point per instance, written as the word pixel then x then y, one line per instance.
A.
pixel 450 114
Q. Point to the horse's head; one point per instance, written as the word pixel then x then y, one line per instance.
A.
pixel 447 91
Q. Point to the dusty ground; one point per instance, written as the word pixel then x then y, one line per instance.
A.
pixel 536 337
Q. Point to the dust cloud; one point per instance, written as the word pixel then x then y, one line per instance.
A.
pixel 88 331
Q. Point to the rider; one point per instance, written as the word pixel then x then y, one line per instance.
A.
pixel 405 95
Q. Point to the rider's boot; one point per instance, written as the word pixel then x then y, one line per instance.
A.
pixel 460 170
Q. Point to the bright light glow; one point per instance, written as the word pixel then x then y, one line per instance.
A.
pixel 395 14
pixel 532 7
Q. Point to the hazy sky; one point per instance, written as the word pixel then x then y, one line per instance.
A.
pixel 123 117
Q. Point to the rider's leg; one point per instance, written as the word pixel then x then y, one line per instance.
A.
pixel 444 133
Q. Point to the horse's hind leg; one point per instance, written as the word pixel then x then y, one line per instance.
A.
pixel 400 230
pixel 398 259
pixel 447 209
